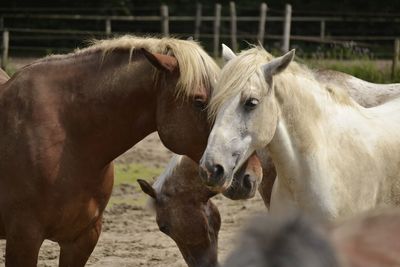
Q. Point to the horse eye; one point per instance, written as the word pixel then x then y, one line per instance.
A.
pixel 251 103
pixel 199 103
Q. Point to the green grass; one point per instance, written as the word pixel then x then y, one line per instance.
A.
pixel 10 70
pixel 129 173
pixel 364 69
pixel 130 200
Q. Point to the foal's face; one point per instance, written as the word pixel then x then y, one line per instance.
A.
pixel 245 122
pixel 194 227
pixel 191 220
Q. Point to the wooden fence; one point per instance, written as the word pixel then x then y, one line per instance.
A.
pixel 197 19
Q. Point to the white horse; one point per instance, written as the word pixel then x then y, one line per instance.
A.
pixel 364 93
pixel 333 157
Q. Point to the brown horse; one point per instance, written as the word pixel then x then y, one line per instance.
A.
pixel 63 119
pixel 185 212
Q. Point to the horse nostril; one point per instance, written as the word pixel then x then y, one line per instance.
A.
pixel 212 175
pixel 218 171
pixel 215 176
pixel 247 183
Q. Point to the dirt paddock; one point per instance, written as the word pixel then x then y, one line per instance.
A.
pixel 130 235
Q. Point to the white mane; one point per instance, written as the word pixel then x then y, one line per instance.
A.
pixel 236 73
pixel 162 179
pixel 169 170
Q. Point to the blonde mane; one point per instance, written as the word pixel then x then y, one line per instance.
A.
pixel 235 77
pixel 168 173
pixel 196 67
pixel 161 180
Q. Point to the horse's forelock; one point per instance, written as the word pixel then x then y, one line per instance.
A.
pixel 197 68
pixel 161 180
pixel 235 75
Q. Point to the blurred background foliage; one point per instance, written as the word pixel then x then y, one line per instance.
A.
pixel 184 6
pixel 369 61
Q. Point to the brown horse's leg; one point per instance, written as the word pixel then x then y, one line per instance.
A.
pixel 76 253
pixel 23 241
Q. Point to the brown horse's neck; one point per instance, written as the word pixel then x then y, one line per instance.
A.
pixel 106 105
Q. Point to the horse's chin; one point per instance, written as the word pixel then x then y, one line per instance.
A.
pixel 234 195
pixel 218 189
pixel 240 192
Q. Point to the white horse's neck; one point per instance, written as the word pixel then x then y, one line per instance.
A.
pixel 300 147
pixel 304 108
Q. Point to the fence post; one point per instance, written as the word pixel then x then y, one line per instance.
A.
pixel 286 28
pixel 217 25
pixel 233 26
pixel 4 57
pixel 164 20
pixel 396 53
pixel 197 23
pixel 261 23
pixel 108 27
pixel 322 30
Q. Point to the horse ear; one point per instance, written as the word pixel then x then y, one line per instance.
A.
pixel 277 65
pixel 160 61
pixel 227 53
pixel 147 188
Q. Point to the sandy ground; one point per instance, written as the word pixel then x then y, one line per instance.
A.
pixel 130 234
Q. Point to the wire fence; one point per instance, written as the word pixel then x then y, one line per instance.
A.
pixel 51 30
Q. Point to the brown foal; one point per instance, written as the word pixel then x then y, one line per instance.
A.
pixel 185 212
